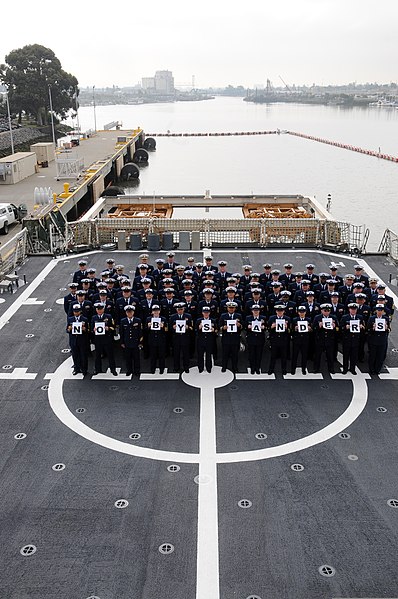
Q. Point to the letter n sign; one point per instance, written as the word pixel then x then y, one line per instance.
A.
pixel 280 325
pixel 77 328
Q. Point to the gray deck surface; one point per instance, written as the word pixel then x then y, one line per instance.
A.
pixel 333 512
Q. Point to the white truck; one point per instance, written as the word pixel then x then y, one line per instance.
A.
pixel 9 214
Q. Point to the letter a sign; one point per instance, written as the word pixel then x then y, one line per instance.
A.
pixel 256 326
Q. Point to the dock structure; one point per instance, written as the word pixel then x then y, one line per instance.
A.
pixel 102 156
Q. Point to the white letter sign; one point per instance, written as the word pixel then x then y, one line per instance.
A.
pixel 280 325
pixel 206 326
pixel 327 323
pixel 354 326
pixel 302 326
pixel 232 326
pixel 77 328
pixel 380 324
pixel 181 326
pixel 99 328
pixel 155 324
pixel 256 326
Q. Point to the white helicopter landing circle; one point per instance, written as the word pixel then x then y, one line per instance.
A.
pixel 207 385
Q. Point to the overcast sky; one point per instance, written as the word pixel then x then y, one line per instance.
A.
pixel 221 42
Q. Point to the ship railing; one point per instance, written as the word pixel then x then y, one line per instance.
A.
pixel 333 235
pixel 13 253
pixel 389 244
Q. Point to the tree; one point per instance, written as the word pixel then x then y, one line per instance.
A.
pixel 28 74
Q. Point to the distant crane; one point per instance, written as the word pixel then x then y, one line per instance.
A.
pixel 285 84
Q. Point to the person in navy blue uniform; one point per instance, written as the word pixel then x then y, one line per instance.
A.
pixel 209 264
pixel 157 273
pixel 230 342
pixel 300 339
pixel 300 295
pixel 325 337
pixel 157 331
pixel 346 289
pixel 110 266
pixel 324 296
pixel 221 277
pixel 389 303
pixel 78 340
pixel 206 335
pixel 144 259
pixel 266 276
pixel 313 308
pixel 333 275
pixel 256 299
pixel 274 297
pixel 85 305
pixel 378 339
pixel 209 300
pixel 321 286
pixel 279 339
pixel 126 299
pixel 103 342
pixel 81 273
pixel 143 274
pixel 130 331
pixel 181 327
pixel 170 263
pixel 351 337
pixel 360 277
pixel 287 277
pixel 310 275
pixel 364 310
pixel 255 326
pixel 71 298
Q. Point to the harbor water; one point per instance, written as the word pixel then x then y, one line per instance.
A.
pixel 364 189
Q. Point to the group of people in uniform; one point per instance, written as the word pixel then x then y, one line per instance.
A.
pixel 182 309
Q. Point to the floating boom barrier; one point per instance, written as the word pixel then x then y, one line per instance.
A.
pixel 278 132
pixel 220 134
pixel 345 146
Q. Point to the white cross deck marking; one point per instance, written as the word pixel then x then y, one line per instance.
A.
pixel 172 376
pixel 392 374
pixel 207 570
pixel 33 301
pixel 207 458
pixel 17 374
pixel 21 299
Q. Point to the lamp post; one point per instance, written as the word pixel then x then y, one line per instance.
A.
pixel 95 115
pixel 52 117
pixel 9 124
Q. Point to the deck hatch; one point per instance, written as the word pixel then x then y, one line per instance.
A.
pixel 326 570
pixel 245 503
pixel 166 548
pixel 28 550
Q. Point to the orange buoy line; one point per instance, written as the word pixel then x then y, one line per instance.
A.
pixel 220 134
pixel 345 146
pixel 278 132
